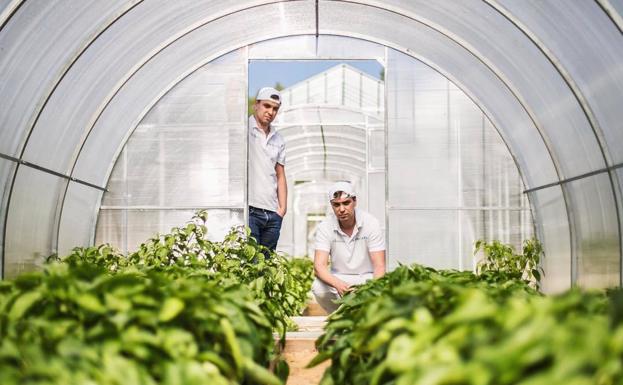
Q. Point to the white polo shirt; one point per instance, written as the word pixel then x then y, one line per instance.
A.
pixel 265 151
pixel 350 255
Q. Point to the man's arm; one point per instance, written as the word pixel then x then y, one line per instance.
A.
pixel 378 263
pixel 321 268
pixel 282 189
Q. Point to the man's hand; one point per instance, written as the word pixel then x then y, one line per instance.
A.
pixel 342 287
pixel 321 268
pixel 281 212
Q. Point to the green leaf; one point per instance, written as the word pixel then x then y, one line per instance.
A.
pixel 23 303
pixel 170 309
pixel 90 302
pixel 282 370
pixel 258 374
pixel 318 359
pixel 234 347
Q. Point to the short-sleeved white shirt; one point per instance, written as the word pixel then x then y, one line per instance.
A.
pixel 350 255
pixel 265 151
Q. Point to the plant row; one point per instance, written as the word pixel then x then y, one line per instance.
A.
pixel 280 285
pixel 180 310
pixel 418 325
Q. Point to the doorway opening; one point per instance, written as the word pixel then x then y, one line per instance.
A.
pixel 332 118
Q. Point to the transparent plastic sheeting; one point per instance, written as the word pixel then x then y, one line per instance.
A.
pixel 525 70
pixel 454 61
pixel 553 229
pixel 340 85
pixel 329 114
pixel 305 200
pixel 111 61
pixel 312 47
pixel 7 169
pixel 444 239
pixel 127 229
pixel 450 179
pixel 165 70
pixel 6 8
pixel 596 226
pixel 619 174
pixel 376 150
pixel 123 56
pixel 617 7
pixel 33 60
pixel 376 196
pixel 187 152
pixel 180 165
pixel 31 225
pixel 319 150
pixel 78 218
pixel 329 133
pixel 590 49
pixel 341 134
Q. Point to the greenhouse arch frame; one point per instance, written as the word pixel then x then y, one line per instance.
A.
pixel 79 79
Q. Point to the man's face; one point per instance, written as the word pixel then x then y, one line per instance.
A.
pixel 265 112
pixel 344 208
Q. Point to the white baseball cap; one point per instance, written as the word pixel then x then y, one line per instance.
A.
pixel 345 187
pixel 269 93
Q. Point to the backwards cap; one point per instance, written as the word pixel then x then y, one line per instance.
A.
pixel 269 93
pixel 345 187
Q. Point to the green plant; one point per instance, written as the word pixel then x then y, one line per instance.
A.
pixel 280 285
pixel 302 270
pixel 358 334
pixel 179 310
pixel 80 323
pixel 503 261
pixel 417 325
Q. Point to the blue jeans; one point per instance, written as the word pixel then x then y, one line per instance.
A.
pixel 265 226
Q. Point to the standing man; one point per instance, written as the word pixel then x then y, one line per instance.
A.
pixel 268 193
pixel 353 239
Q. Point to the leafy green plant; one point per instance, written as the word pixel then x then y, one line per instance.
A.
pixel 358 334
pixel 417 325
pixel 78 323
pixel 302 270
pixel 280 285
pixel 533 339
pixel 502 260
pixel 181 309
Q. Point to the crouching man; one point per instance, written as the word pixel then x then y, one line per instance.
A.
pixel 352 241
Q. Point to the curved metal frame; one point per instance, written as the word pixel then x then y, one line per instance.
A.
pixel 9 11
pixel 15 5
pixel 592 120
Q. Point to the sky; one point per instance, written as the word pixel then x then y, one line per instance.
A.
pixel 268 72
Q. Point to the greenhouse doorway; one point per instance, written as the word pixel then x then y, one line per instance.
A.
pixel 332 118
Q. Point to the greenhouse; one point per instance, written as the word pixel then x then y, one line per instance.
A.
pixel 467 128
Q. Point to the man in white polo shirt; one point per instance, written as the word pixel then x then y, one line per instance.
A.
pixel 267 178
pixel 354 243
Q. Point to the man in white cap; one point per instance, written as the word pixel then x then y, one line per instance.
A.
pixel 267 178
pixel 353 241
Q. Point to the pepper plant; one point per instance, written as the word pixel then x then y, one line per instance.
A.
pixel 502 260
pixel 78 323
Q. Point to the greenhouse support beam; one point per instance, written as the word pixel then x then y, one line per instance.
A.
pixel 567 180
pixel 47 170
pixel 172 208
